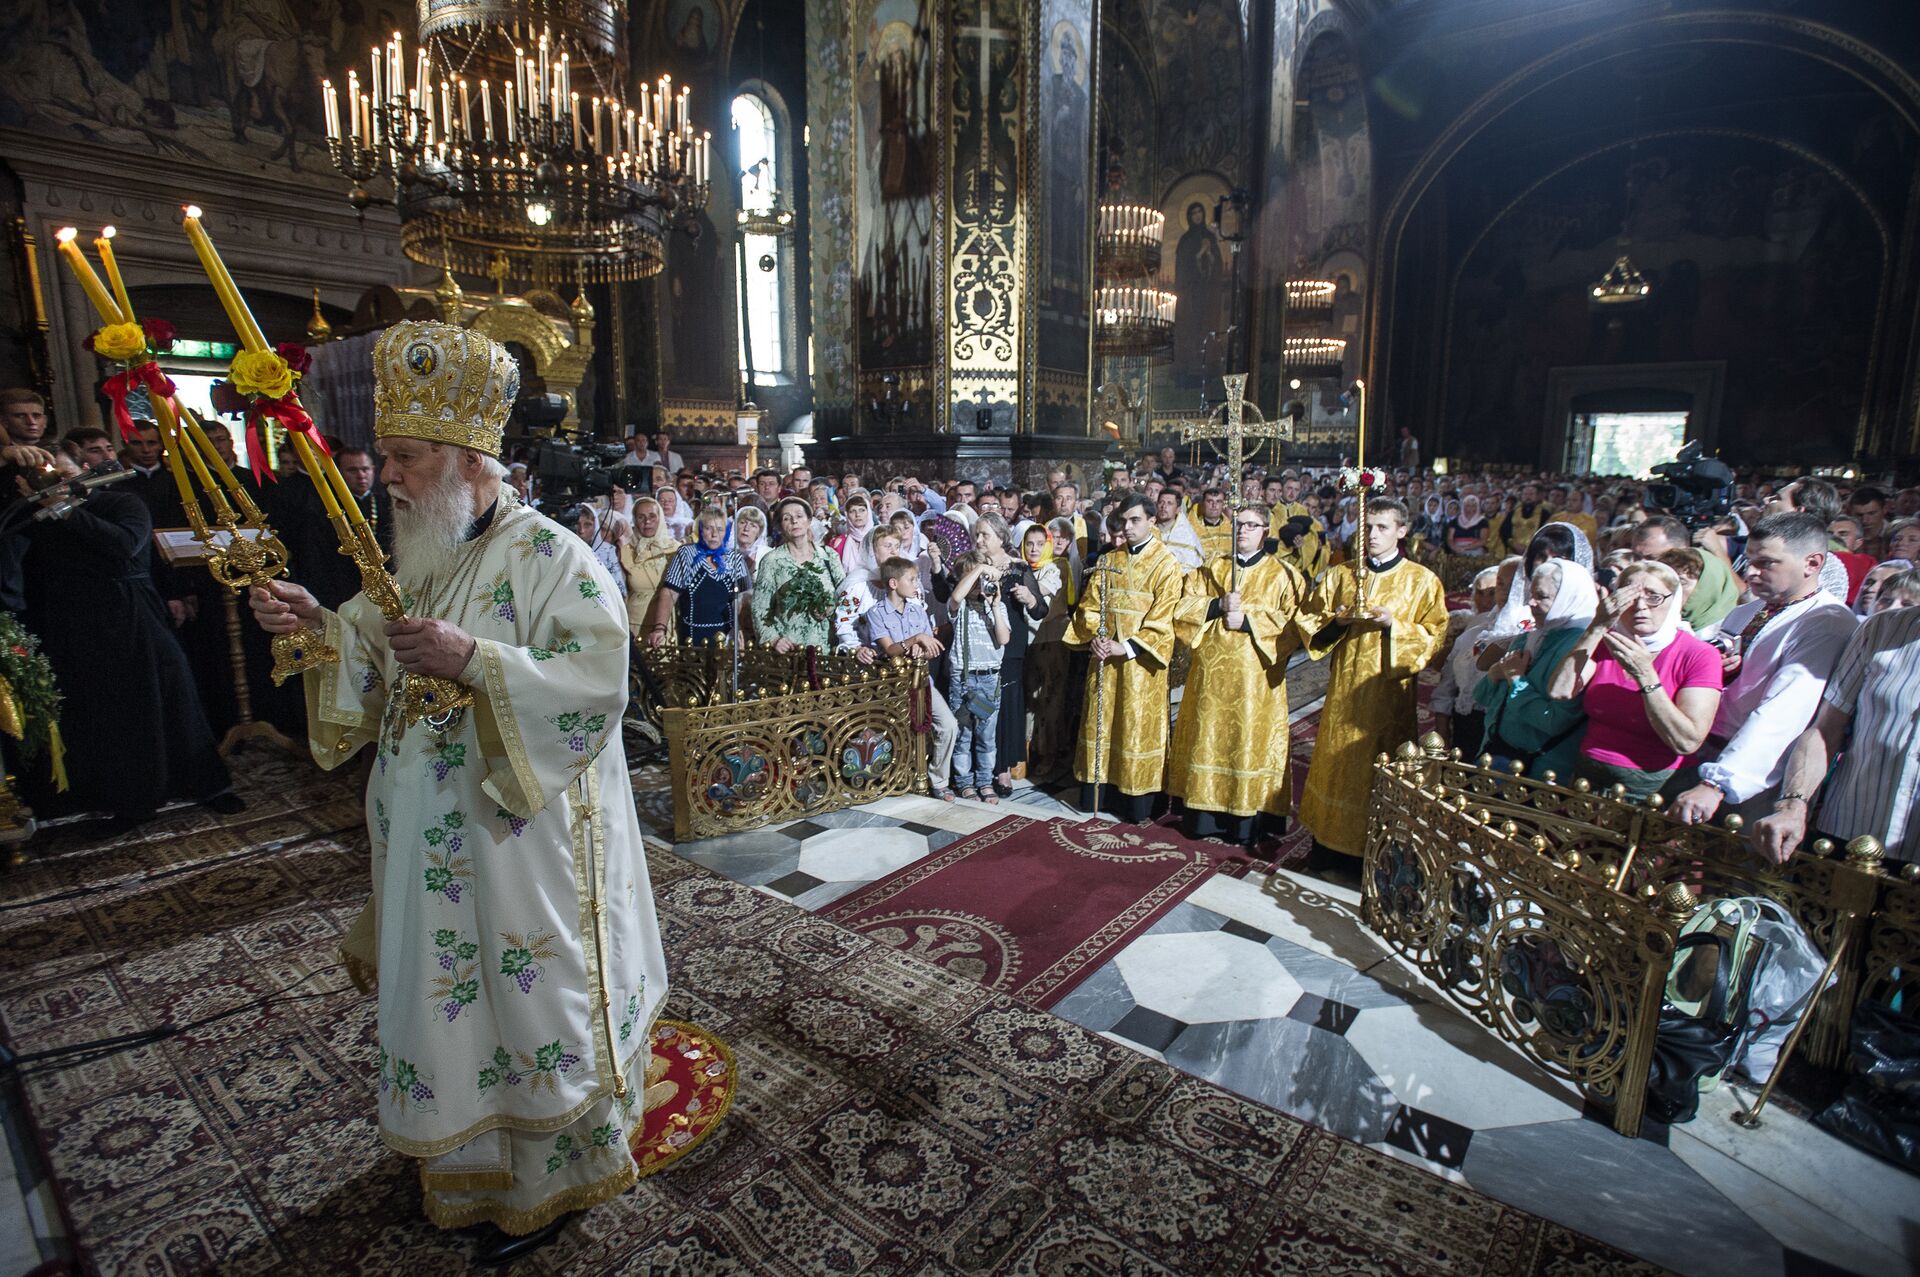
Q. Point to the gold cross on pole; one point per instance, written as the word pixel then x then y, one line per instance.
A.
pixel 1236 421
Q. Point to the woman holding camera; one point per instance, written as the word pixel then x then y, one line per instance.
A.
pixel 1015 585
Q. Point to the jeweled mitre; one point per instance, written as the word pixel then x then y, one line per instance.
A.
pixel 443 383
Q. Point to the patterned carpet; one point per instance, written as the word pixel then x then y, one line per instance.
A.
pixel 892 1118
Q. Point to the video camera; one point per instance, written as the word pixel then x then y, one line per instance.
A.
pixel 572 469
pixel 1697 490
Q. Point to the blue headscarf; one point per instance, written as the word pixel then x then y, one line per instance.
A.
pixel 716 556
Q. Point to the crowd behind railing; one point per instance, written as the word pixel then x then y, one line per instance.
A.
pixel 1762 658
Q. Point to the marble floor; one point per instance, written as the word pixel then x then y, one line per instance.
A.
pixel 1272 986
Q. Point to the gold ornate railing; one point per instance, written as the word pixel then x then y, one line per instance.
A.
pixel 806 734
pixel 1550 914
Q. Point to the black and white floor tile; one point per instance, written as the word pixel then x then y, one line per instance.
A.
pixel 1272 986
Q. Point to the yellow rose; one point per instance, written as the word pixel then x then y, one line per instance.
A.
pixel 261 374
pixel 122 343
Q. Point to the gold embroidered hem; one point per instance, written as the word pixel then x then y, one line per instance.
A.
pixel 520 1222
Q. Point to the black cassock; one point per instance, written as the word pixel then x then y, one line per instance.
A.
pixel 135 731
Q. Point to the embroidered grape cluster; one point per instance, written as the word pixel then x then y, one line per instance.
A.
pixel 576 727
pixel 446 758
pixel 516 825
pixel 421 1093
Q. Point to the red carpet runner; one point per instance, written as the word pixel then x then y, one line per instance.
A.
pixel 1032 907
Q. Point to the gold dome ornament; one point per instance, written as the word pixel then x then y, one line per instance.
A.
pixel 443 384
pixel 319 331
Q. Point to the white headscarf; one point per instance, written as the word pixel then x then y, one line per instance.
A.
pixel 1514 615
pixel 1573 606
pixel 1657 641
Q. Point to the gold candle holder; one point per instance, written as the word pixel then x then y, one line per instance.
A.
pixel 240 546
pixel 434 701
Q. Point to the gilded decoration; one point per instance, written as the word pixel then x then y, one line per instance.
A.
pixel 806 733
pixel 1550 914
pixel 988 235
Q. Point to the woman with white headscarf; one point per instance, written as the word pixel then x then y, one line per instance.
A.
pixel 674 513
pixel 1649 687
pixel 1522 721
pixel 1467 532
pixel 750 534
pixel 1554 541
pixel 643 558
pixel 590 523
pixel 851 542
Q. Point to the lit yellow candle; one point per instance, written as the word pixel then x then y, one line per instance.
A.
pixel 194 428
pixel 237 313
pixel 83 271
pixel 320 482
pixel 1360 412
pixel 188 502
pixel 104 246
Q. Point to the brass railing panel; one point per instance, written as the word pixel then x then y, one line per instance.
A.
pixel 784 754
pixel 1550 913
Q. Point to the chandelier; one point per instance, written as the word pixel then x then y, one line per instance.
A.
pixel 762 210
pixel 1132 320
pixel 1310 294
pixel 1622 285
pixel 1127 239
pixel 1314 356
pixel 511 142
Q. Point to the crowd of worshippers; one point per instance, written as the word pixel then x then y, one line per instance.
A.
pixel 1135 632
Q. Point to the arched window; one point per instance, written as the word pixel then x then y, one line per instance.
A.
pixel 763 309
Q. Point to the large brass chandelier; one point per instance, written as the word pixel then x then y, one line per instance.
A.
pixel 1132 316
pixel 513 144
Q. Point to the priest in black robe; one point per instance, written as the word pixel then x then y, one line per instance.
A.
pixel 136 735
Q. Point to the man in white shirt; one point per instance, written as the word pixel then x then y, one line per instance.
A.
pixel 1869 719
pixel 637 452
pixel 1790 637
pixel 662 454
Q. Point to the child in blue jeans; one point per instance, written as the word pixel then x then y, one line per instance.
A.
pixel 980 635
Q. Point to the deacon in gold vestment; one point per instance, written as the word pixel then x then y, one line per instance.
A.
pixel 1229 761
pixel 1371 691
pixel 1121 759
pixel 1208 518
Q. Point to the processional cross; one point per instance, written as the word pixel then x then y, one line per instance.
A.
pixel 1233 425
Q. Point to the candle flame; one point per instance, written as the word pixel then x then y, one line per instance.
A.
pixel 66 234
pixel 108 232
pixel 193 211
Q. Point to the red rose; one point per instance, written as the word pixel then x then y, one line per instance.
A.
pixel 298 357
pixel 159 333
pixel 226 400
pixel 1366 478
pixel 19 650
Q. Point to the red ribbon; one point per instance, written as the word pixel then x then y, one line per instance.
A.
pixel 122 384
pixel 287 411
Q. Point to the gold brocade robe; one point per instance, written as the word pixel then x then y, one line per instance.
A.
pixel 1230 745
pixel 1310 553
pixel 1216 542
pixel 1125 703
pixel 1371 690
pixel 1511 533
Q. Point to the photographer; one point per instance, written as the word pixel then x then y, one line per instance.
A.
pixel 136 735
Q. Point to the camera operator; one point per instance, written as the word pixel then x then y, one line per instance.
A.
pixel 136 734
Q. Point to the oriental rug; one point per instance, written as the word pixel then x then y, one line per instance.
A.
pixel 890 1117
pixel 1032 907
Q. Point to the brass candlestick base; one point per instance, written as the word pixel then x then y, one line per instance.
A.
pixel 433 701
pixel 298 652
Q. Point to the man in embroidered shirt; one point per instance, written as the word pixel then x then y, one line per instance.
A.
pixel 511 931
pixel 1784 644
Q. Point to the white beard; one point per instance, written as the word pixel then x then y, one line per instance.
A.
pixel 429 529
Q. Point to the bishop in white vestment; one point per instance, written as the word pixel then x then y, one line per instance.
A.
pixel 511 930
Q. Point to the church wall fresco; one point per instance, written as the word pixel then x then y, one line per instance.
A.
pixel 697 332
pixel 896 178
pixel 232 85
pixel 830 216
pixel 1063 162
pixel 1759 257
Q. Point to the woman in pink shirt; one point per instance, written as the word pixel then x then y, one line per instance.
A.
pixel 1650 688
